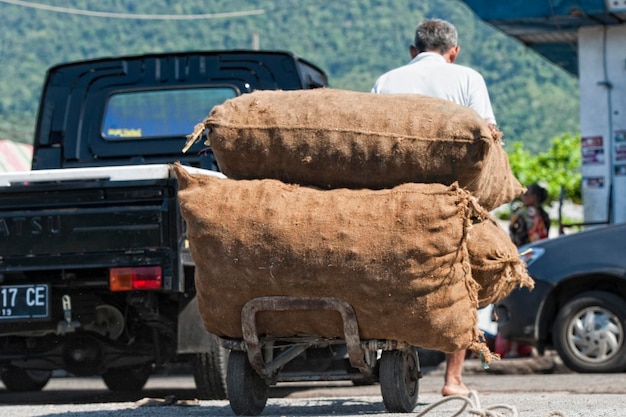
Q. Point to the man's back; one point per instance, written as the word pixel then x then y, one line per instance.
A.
pixel 429 74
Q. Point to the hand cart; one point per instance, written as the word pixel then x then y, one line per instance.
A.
pixel 254 363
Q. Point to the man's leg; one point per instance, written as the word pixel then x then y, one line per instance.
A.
pixel 453 379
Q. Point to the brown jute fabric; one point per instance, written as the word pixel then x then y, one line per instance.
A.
pixel 398 256
pixel 496 265
pixel 332 138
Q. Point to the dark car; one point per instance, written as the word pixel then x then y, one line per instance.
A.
pixel 578 305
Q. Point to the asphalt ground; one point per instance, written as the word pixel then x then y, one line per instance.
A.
pixel 531 387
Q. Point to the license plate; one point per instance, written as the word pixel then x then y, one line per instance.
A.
pixel 28 301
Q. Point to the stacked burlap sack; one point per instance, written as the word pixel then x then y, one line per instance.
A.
pixel 330 138
pixel 385 215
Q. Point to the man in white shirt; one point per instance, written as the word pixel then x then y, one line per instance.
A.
pixel 432 72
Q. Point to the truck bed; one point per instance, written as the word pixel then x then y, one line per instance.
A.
pixel 90 218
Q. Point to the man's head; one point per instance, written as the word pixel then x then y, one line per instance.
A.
pixel 436 35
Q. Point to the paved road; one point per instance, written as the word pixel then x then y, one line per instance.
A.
pixel 532 394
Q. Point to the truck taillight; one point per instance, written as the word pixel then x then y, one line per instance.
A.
pixel 135 278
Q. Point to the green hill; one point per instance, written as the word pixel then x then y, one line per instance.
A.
pixel 353 40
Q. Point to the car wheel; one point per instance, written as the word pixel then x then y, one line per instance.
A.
pixel 589 333
pixel 19 380
pixel 209 372
pixel 127 379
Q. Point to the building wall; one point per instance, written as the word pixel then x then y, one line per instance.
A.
pixel 602 75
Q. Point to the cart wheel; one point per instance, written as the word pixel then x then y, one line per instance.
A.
pixel 399 379
pixel 247 391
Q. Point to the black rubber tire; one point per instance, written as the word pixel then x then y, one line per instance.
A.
pixel 20 380
pixel 130 379
pixel 399 379
pixel 247 391
pixel 589 333
pixel 209 372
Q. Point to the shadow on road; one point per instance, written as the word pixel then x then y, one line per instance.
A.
pixel 77 395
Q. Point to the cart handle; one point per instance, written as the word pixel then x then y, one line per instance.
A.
pixel 356 353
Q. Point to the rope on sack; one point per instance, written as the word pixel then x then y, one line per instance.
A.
pixel 472 401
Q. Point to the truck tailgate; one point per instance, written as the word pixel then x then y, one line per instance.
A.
pixel 86 216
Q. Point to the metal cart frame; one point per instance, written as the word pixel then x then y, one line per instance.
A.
pixel 253 367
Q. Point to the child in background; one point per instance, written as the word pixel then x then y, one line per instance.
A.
pixel 528 224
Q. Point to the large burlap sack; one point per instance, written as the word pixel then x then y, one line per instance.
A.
pixel 397 256
pixel 331 138
pixel 496 265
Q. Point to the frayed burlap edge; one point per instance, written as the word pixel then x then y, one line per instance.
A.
pixel 196 135
pixel 512 270
pixel 478 345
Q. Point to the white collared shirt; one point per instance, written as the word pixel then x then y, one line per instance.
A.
pixel 429 74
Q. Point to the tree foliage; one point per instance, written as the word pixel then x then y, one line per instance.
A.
pixel 557 168
pixel 353 40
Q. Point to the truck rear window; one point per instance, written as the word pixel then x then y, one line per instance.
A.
pixel 163 113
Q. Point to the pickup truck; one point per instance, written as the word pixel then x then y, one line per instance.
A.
pixel 95 275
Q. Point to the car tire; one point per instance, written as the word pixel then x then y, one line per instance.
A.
pixel 127 379
pixel 20 380
pixel 589 333
pixel 209 372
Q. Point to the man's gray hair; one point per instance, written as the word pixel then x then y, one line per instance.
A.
pixel 435 35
